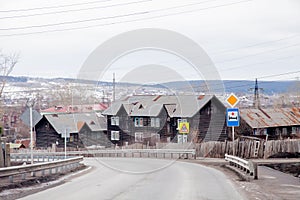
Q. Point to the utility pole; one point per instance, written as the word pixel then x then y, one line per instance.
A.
pixel 114 87
pixel 30 105
pixel 298 91
pixel 31 135
pixel 103 96
pixel 256 99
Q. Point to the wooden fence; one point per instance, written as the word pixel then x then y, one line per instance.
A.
pixel 247 148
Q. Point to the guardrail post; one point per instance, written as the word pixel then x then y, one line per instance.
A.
pixel 11 179
pixel 255 173
pixel 23 176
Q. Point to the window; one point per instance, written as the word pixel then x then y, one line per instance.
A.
pixel 141 121
pixel 284 131
pixel 152 122
pixel 115 121
pixel 295 130
pixel 155 136
pixel 155 122
pixel 146 122
pixel 138 137
pixel 115 135
pixel 138 122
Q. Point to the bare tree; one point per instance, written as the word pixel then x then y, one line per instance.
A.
pixel 7 64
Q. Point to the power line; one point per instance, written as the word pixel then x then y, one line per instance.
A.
pixel 101 18
pixel 254 45
pixel 259 63
pixel 263 52
pixel 250 84
pixel 73 22
pixel 52 7
pixel 74 10
pixel 262 77
pixel 124 21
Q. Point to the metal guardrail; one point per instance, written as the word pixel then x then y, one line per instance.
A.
pixel 59 165
pixel 247 166
pixel 117 153
pixel 44 157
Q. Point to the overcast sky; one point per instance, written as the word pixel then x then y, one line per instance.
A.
pixel 244 39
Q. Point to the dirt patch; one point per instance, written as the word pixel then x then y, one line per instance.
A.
pixel 34 185
pixel 289 168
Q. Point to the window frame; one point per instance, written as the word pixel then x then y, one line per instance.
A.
pixel 115 135
pixel 115 121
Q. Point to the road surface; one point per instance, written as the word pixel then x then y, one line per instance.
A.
pixel 179 180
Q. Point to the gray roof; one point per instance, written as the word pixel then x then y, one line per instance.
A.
pixel 113 109
pixel 72 121
pixel 176 106
pixel 187 106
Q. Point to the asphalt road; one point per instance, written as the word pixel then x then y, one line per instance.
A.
pixel 139 178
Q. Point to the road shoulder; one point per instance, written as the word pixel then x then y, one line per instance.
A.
pixel 271 184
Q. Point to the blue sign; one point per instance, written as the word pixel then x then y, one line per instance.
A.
pixel 233 117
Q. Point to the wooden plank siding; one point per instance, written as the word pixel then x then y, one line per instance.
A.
pixel 46 135
pixel 208 124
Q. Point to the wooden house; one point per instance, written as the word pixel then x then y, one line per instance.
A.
pixel 151 119
pixel 275 122
pixel 85 129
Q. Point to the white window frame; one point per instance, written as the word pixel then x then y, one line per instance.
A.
pixel 155 122
pixel 115 135
pixel 138 137
pixel 115 121
pixel 138 122
pixel 152 122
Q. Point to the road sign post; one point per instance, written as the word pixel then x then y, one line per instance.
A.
pixel 232 116
pixel 65 135
pixel 233 120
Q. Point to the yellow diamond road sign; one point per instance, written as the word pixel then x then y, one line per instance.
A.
pixel 232 100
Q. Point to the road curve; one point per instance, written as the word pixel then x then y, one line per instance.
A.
pixel 179 180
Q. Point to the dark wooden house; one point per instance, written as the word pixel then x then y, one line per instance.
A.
pixel 85 129
pixel 151 119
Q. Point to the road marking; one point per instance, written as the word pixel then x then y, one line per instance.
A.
pixel 269 177
pixel 288 185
